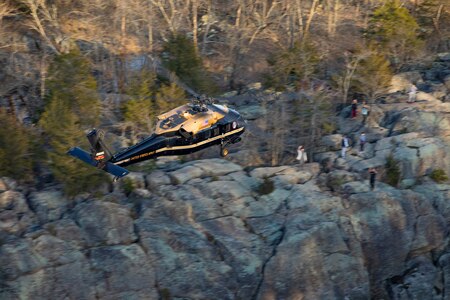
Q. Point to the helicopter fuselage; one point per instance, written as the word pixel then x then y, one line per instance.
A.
pixel 186 130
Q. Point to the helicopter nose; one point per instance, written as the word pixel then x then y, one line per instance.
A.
pixel 241 121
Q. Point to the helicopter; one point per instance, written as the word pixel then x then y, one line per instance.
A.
pixel 194 126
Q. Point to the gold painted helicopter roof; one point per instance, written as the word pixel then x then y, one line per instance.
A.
pixel 191 117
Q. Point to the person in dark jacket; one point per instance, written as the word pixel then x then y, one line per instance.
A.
pixel 372 175
pixel 354 108
pixel 362 141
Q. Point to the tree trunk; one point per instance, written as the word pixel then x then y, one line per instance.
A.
pixel 208 25
pixel 195 24
pixel 311 14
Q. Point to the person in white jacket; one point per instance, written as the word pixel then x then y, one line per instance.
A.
pixel 344 144
pixel 301 155
pixel 412 93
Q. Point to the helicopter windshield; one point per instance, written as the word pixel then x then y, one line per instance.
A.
pixel 172 121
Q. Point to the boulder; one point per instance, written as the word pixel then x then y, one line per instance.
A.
pixel 248 182
pixel 232 237
pixel 72 281
pixel 157 178
pixel 337 178
pixel 15 216
pixel 402 81
pixel 421 281
pixel 104 223
pixel 252 112
pixel 68 231
pixel 217 167
pixel 444 264
pixel 49 205
pixel 444 56
pixel 446 81
pixel 122 271
pixel 193 263
pixel 408 160
pixel 56 251
pixel 390 142
pixel 319 252
pixel 266 172
pixel 430 234
pixel 356 187
pixel 137 179
pixel 3 186
pixel 391 217
pixel 186 173
pixel 12 200
pixel 422 96
pixel 18 258
pixel 331 142
pixel 224 190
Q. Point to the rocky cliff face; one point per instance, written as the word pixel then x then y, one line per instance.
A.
pixel 209 229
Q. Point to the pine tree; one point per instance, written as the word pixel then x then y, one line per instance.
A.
pixel 372 76
pixel 16 148
pixel 169 97
pixel 395 31
pixel 63 130
pixel 179 56
pixel 139 112
pixel 70 80
pixel 72 106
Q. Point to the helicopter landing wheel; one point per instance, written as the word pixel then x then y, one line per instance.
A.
pixel 223 152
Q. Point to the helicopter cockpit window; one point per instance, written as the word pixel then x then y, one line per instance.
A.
pixel 172 121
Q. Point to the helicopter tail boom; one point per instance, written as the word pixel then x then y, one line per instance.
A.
pixel 100 155
pixel 105 166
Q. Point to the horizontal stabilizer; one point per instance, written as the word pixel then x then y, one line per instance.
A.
pixel 109 167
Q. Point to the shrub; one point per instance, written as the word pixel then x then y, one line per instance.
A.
pixel 393 173
pixel 439 175
pixel 266 187
pixel 128 185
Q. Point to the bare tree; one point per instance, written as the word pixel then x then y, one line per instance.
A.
pixel 45 21
pixel 6 10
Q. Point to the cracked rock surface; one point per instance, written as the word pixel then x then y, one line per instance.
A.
pixel 218 231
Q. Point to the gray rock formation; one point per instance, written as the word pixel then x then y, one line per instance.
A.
pixel 210 230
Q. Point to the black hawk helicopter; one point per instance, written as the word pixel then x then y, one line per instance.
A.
pixel 182 130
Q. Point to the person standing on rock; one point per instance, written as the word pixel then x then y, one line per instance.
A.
pixel 372 175
pixel 362 141
pixel 412 94
pixel 301 155
pixel 354 108
pixel 364 112
pixel 344 144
